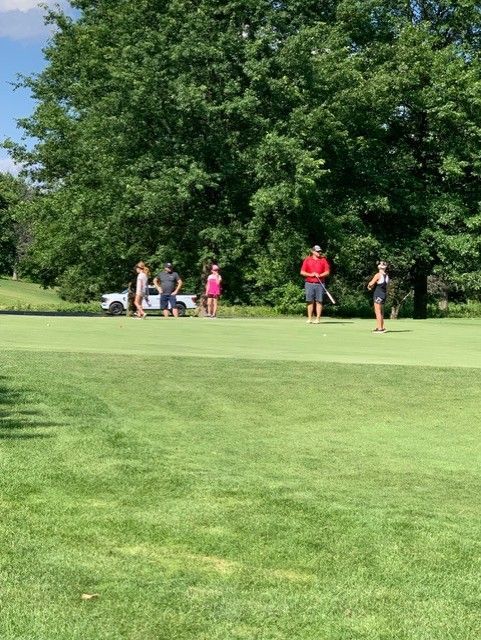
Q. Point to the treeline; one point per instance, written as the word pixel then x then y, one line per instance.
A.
pixel 245 130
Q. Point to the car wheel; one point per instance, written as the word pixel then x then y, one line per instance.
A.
pixel 181 308
pixel 116 308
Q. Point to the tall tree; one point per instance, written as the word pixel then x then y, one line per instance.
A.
pixel 391 98
pixel 246 130
pixel 13 234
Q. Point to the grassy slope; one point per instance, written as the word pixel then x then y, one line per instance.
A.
pixel 219 498
pixel 16 293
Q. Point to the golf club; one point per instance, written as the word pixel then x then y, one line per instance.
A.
pixel 326 291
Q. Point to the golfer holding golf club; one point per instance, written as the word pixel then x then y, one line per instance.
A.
pixel 314 269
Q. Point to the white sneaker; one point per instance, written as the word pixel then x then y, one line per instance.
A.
pixel 308 321
pixel 316 321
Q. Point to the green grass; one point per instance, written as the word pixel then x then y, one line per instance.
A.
pixel 19 295
pixel 14 292
pixel 239 479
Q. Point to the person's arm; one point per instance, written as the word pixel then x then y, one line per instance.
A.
pixel 178 287
pixel 326 271
pixel 157 284
pixel 373 281
pixel 304 273
pixel 146 287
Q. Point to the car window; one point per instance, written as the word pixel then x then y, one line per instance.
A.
pixel 153 291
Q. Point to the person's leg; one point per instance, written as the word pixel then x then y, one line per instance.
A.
pixel 317 302
pixel 164 302
pixel 310 309
pixel 138 305
pixel 379 316
pixel 173 302
pixel 310 301
pixel 214 307
pixel 209 307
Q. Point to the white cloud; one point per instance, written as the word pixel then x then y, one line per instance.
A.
pixel 24 19
pixel 7 165
pixel 17 5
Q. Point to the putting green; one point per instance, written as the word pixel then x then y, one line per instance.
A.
pixel 443 343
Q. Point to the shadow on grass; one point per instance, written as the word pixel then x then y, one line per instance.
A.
pixel 399 331
pixel 20 424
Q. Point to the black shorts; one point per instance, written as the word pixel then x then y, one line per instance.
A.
pixel 213 296
pixel 167 301
pixel 379 296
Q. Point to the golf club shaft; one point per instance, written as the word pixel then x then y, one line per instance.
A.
pixel 325 290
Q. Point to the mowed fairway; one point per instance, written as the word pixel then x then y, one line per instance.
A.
pixel 239 479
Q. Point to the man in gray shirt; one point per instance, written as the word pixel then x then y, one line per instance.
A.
pixel 168 284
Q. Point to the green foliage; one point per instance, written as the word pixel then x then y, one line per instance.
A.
pixel 74 286
pixel 247 311
pixel 12 234
pixel 242 132
pixel 470 309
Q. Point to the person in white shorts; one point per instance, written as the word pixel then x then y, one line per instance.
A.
pixel 141 289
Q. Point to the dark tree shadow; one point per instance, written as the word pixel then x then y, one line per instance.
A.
pixel 20 424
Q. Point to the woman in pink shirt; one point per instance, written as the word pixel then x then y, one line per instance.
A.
pixel 213 290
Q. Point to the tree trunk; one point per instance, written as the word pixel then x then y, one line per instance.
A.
pixel 395 311
pixel 420 296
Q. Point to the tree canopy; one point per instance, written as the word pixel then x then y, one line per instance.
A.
pixel 14 235
pixel 246 130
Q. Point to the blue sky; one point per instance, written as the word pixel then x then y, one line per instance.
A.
pixel 22 37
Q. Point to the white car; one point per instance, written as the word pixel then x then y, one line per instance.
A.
pixel 116 303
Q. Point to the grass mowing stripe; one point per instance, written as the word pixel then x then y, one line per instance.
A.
pixel 207 498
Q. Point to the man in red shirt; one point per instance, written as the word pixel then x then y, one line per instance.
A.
pixel 314 269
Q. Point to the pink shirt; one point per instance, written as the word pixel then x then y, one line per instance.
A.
pixel 213 284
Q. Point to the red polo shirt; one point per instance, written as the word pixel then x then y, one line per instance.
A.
pixel 315 265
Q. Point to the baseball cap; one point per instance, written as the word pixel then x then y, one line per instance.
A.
pixel 215 267
pixel 317 248
pixel 168 265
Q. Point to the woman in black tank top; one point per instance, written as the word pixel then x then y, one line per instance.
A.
pixel 379 282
